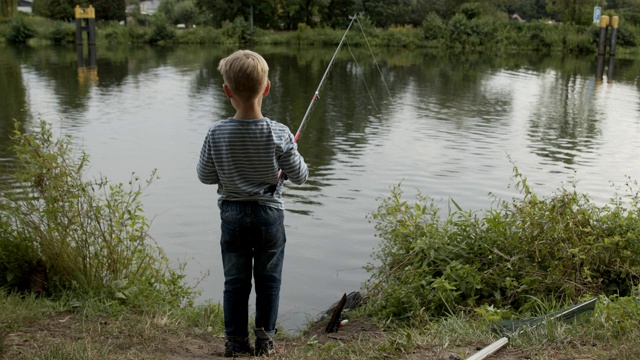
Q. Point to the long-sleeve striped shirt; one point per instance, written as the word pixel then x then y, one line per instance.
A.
pixel 243 157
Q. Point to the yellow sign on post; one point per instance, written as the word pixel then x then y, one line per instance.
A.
pixel 85 13
pixel 86 21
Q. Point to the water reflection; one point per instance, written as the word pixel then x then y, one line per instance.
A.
pixel 13 100
pixel 567 119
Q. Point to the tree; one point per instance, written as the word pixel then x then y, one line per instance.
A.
pixel 222 11
pixel 336 12
pixel 290 13
pixel 65 9
pixel 54 9
pixel 109 9
pixel 8 8
pixel 186 13
pixel 527 9
pixel 629 10
pixel 572 11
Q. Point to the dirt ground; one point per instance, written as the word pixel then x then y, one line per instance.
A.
pixel 148 341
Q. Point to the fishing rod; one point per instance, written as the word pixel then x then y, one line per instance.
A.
pixel 315 97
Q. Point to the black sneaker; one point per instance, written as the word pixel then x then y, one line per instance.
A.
pixel 233 349
pixel 265 348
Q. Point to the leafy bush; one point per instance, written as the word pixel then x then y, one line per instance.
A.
pixel 63 34
pixel 21 31
pixel 627 37
pixel 201 35
pixel 91 236
pixel 186 12
pixel 483 31
pixel 580 40
pixel 161 31
pixel 555 249
pixel 117 34
pixel 459 29
pixel 470 10
pixel 542 36
pixel 433 27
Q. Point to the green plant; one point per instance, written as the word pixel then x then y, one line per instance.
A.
pixel 21 31
pixel 91 235
pixel 434 27
pixel 63 34
pixel 161 31
pixel 459 29
pixel 513 256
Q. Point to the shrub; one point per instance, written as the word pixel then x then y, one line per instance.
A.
pixel 161 31
pixel 434 28
pixel 89 236
pixel 201 35
pixel 626 37
pixel 470 10
pixel 542 36
pixel 459 29
pixel 21 31
pixel 581 42
pixel 484 30
pixel 63 34
pixel 557 249
pixel 186 12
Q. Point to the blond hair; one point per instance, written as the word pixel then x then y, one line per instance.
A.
pixel 245 72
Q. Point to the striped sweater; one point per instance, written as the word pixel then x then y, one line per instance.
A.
pixel 243 158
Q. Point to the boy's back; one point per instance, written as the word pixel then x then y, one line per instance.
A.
pixel 244 156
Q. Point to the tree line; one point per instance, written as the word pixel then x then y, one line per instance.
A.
pixel 290 14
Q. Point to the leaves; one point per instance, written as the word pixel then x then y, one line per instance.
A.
pixel 92 234
pixel 557 248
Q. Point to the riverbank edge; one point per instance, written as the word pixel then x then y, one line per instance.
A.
pixel 503 36
pixel 43 328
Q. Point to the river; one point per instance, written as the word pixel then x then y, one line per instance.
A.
pixel 450 126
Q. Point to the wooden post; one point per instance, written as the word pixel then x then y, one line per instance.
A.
pixel 615 21
pixel 600 69
pixel 602 45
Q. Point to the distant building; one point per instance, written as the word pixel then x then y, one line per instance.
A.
pixel 25 6
pixel 149 7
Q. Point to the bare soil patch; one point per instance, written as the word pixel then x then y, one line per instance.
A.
pixel 143 337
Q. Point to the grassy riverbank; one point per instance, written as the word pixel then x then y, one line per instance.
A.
pixel 460 33
pixel 63 329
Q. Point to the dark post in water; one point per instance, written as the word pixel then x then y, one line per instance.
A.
pixel 615 21
pixel 86 21
pixel 602 45
pixel 604 24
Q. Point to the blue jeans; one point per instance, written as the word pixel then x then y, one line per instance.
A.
pixel 252 243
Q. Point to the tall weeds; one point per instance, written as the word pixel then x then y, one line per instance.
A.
pixel 557 249
pixel 91 236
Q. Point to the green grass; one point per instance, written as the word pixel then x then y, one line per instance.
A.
pixel 40 328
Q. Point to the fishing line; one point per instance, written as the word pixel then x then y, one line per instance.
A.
pixel 363 79
pixel 316 95
pixel 374 60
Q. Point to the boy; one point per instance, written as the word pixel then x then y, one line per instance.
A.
pixel 243 155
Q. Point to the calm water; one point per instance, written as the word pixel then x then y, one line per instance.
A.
pixel 447 127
